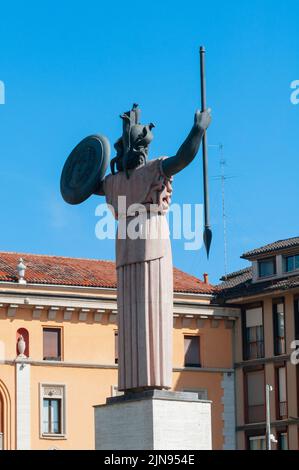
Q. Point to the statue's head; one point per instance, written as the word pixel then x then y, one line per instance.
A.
pixel 132 147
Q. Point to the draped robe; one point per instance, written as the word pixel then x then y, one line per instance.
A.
pixel 144 276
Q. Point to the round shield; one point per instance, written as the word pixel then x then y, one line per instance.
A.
pixel 84 169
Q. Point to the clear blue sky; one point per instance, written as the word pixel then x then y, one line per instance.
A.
pixel 70 68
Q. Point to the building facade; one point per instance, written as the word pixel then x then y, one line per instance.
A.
pixel 267 293
pixel 58 350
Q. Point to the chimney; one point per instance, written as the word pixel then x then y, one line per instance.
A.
pixel 206 278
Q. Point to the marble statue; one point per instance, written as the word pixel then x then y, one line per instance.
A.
pixel 143 263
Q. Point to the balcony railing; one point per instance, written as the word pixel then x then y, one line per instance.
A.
pixel 255 350
pixel 256 414
pixel 283 410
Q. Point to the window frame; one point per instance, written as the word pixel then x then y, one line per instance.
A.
pixel 199 364
pixel 276 302
pixel 50 419
pixel 246 371
pixel 282 365
pixel 279 433
pixel 62 398
pixel 60 349
pixel 246 343
pixel 270 258
pixel 296 316
pixel 257 437
pixel 285 263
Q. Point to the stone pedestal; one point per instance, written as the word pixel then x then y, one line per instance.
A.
pixel 154 420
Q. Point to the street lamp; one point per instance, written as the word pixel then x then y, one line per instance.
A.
pixel 269 437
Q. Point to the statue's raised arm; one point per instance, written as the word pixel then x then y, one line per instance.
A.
pixel 189 148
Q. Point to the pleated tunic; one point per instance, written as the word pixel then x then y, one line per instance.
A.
pixel 144 276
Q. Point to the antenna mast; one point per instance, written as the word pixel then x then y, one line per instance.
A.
pixel 223 179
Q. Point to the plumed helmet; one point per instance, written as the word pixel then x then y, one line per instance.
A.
pixel 132 147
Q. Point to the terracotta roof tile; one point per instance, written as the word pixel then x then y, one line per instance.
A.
pixel 239 284
pixel 59 270
pixel 272 247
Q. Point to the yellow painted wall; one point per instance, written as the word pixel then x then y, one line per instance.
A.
pixel 81 341
pixel 89 343
pixel 84 388
pixel 210 381
pixel 215 344
pixel 7 391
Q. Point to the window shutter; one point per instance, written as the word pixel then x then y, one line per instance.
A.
pixel 254 317
pixel 282 384
pixel 51 339
pixel 192 350
pixel 280 308
pixel 256 388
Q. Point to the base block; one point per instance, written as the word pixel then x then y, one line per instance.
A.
pixel 154 420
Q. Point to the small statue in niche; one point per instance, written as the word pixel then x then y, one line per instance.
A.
pixel 21 346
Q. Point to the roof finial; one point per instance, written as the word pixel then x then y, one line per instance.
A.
pixel 21 267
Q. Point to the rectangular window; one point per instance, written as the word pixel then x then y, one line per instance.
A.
pixel 255 396
pixel 267 267
pixel 291 263
pixel 257 443
pixel 192 351
pixel 296 317
pixel 281 395
pixel 116 347
pixel 52 412
pixel 254 333
pixel 282 441
pixel 52 344
pixel 51 416
pixel 279 327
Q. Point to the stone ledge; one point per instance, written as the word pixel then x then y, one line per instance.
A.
pixel 155 395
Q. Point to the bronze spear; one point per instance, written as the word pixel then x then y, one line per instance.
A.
pixel 207 236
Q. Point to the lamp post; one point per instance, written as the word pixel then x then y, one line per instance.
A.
pixel 269 389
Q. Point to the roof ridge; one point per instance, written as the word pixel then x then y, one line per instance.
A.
pixel 270 246
pixel 236 273
pixel 54 256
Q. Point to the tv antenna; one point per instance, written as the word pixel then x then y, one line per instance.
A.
pixel 223 177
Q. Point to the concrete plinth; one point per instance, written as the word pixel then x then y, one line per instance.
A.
pixel 154 420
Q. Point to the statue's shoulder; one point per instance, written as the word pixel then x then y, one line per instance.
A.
pixel 150 167
pixel 155 163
